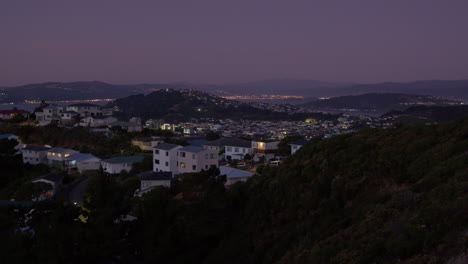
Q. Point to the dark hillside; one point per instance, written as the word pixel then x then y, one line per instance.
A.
pixel 376 196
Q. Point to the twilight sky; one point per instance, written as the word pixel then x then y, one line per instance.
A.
pixel 216 41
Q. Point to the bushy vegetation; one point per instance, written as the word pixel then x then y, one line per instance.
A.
pixel 374 196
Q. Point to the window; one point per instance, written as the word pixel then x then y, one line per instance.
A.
pixel 156 161
pixel 156 151
pixel 182 165
pixel 194 167
pixel 167 153
pixel 206 167
pixel 182 154
pixel 206 156
pixel 167 164
pixel 237 150
pixel 228 148
pixel 194 156
pixel 212 156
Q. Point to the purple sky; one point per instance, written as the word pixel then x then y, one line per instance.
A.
pixel 215 41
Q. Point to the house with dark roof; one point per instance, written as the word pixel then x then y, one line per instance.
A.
pixel 151 179
pixel 296 145
pixel 195 159
pixel 82 162
pixel 85 109
pixel 127 126
pixel 236 149
pixel 58 157
pixel 35 154
pixel 264 148
pixel 233 148
pixel 116 165
pixel 97 121
pixel 165 157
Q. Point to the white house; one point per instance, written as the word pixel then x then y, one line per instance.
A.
pixel 151 179
pixel 236 149
pixel 234 175
pixel 165 157
pixel 97 121
pixel 296 145
pixel 85 109
pixel 195 159
pixel 264 148
pixel 49 114
pixel 83 162
pixel 69 117
pixel 57 157
pixel 127 126
pixel 118 164
pixel 35 155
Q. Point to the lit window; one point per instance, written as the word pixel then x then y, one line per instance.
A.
pixel 182 165
pixel 66 155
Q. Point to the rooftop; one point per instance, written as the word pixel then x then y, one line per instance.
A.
pixel 235 142
pixel 82 156
pixel 234 173
pixel 300 142
pixel 192 149
pixel 6 136
pixel 165 146
pixel 36 148
pixel 124 159
pixel 62 150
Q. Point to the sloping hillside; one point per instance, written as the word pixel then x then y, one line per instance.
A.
pixel 376 196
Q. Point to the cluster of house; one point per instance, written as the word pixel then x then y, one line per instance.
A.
pixel 168 160
pixel 73 161
pixel 172 159
pixel 85 115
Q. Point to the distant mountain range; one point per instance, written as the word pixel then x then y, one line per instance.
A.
pixel 54 91
pixel 422 114
pixel 379 102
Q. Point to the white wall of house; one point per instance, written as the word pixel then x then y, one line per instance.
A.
pixel 195 162
pixel 236 153
pixel 115 168
pixel 34 157
pixel 165 160
pixel 90 110
pixel 86 165
pixel 295 148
